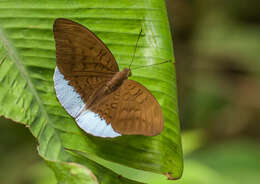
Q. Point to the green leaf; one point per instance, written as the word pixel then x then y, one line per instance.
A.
pixel 27 62
pixel 64 171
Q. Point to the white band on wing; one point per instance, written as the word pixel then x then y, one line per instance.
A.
pixel 87 120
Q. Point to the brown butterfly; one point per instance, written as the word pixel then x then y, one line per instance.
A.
pixel 89 85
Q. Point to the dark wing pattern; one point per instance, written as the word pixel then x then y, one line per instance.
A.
pixel 107 106
pixel 131 109
pixel 82 58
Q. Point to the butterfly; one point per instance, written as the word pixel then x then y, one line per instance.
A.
pixel 89 85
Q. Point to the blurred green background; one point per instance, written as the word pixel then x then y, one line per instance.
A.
pixel 216 46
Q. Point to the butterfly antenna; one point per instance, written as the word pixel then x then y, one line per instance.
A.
pixel 135 48
pixel 151 65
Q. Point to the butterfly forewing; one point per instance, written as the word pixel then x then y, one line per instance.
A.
pixel 82 58
pixel 79 50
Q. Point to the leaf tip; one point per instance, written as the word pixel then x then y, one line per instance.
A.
pixel 170 177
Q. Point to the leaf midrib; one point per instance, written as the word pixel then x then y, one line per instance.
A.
pixel 14 57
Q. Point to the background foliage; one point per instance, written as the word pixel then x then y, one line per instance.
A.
pixel 216 46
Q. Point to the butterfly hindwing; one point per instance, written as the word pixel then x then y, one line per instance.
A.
pixel 87 120
pixel 131 109
pixel 107 107
pixel 140 113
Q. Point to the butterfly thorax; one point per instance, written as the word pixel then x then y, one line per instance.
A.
pixel 112 85
pixel 117 80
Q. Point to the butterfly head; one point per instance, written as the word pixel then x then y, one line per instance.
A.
pixel 127 72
